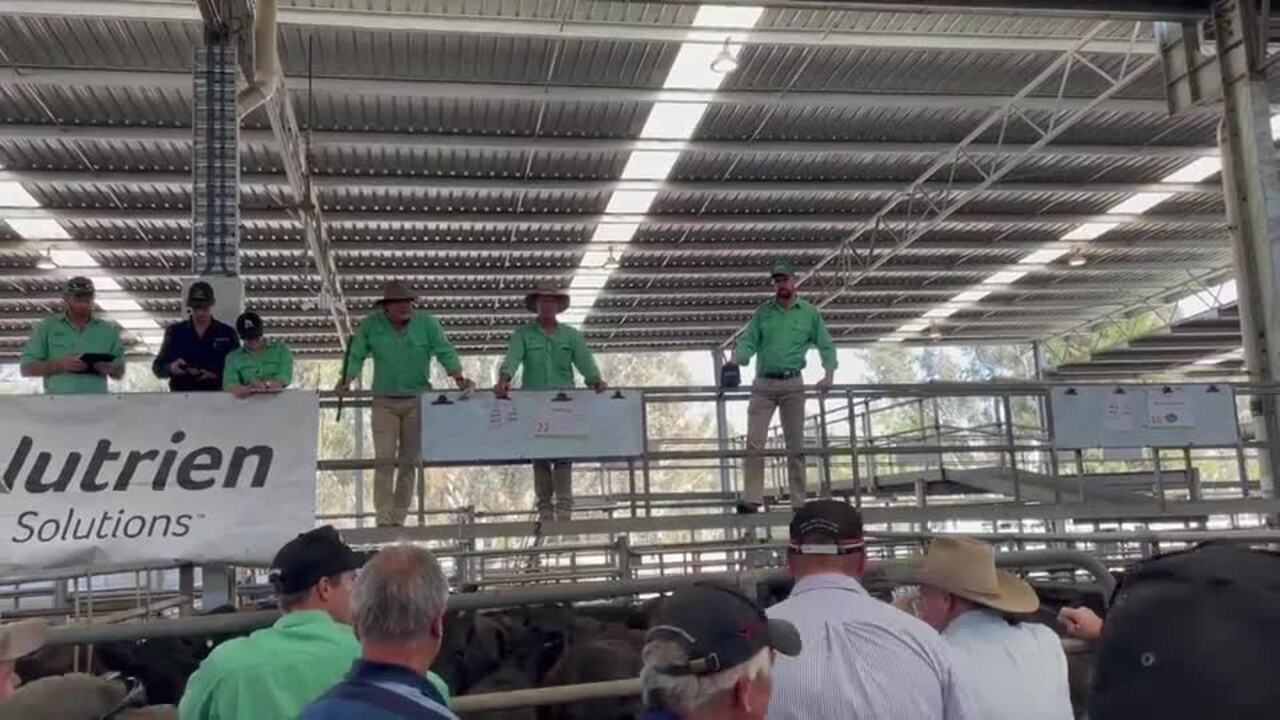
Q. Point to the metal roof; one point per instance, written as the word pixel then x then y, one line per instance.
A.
pixel 471 149
pixel 1206 344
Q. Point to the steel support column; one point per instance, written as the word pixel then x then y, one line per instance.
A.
pixel 1251 188
pixel 215 161
pixel 722 425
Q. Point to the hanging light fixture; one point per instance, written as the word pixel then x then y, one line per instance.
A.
pixel 726 62
pixel 46 261
pixel 1077 259
pixel 935 331
pixel 612 262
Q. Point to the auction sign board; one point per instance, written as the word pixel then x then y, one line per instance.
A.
pixel 116 481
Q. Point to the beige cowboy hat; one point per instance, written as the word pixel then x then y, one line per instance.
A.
pixel 546 290
pixel 19 639
pixel 396 290
pixel 966 567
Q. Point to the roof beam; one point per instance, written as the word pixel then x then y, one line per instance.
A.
pixel 519 144
pixel 354 288
pixel 573 28
pixel 508 185
pixel 1208 243
pixel 1021 313
pixel 348 269
pixel 152 80
pixel 482 323
pixel 452 220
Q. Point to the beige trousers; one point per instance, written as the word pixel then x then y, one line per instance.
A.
pixel 788 397
pixel 396 426
pixel 553 477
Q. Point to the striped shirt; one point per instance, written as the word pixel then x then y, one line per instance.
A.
pixel 862 659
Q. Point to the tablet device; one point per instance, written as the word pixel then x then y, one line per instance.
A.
pixel 90 358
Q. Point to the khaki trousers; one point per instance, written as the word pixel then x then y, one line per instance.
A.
pixel 553 477
pixel 788 397
pixel 396 426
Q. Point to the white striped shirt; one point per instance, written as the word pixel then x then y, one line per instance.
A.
pixel 861 659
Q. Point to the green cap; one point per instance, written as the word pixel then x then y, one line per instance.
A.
pixel 79 285
pixel 782 267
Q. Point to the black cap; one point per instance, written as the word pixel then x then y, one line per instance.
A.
pixel 719 629
pixel 249 326
pixel 1192 634
pixel 313 555
pixel 826 527
pixel 200 293
pixel 78 285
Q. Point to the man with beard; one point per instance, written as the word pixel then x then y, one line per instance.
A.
pixel 74 351
pixel 780 334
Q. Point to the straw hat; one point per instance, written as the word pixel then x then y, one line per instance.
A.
pixel 396 290
pixel 546 290
pixel 967 568
pixel 19 639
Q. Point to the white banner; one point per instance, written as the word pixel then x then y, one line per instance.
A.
pixel 532 425
pixel 111 481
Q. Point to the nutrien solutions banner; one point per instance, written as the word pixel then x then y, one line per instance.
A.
pixel 117 480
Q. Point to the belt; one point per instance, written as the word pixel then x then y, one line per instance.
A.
pixel 784 375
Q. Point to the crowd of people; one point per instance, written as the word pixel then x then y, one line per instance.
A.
pixel 359 635
pixel 76 351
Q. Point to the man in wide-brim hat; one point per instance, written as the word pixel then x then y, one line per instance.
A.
pixel 548 351
pixel 402 341
pixel 1013 669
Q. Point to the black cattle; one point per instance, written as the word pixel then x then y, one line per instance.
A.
pixel 599 660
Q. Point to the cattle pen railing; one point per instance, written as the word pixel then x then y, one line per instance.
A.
pixel 917 459
pixel 751 582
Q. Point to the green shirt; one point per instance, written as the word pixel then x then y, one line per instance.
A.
pixel 55 338
pixel 782 336
pixel 401 358
pixel 276 672
pixel 272 362
pixel 549 360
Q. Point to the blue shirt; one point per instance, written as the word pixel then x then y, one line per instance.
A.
pixel 378 691
pixel 204 353
pixel 1014 672
pixel 862 660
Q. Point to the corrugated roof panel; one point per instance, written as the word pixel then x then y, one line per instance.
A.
pixel 836 69
pixel 98 42
pixel 942 22
pixel 490 115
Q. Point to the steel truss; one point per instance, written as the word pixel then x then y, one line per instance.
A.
pixel 926 208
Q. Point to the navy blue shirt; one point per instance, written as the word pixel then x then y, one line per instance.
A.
pixel 203 353
pixel 378 691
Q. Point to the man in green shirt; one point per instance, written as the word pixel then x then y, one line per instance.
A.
pixel 277 671
pixel 402 341
pixel 74 351
pixel 780 334
pixel 259 365
pixel 549 351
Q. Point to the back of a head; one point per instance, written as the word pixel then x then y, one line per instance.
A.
pixel 826 537
pixel 704 641
pixel 401 592
pixel 1192 635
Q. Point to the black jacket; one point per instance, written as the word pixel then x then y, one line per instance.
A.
pixel 204 353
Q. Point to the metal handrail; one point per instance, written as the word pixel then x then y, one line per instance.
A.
pixel 542 594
